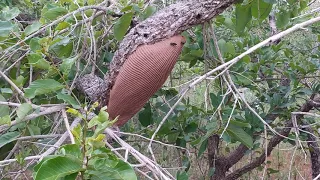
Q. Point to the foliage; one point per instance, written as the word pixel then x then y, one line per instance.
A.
pixel 46 45
pixel 88 156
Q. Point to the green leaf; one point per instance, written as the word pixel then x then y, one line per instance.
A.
pixel 243 17
pixel 54 13
pixel 102 117
pixel 42 86
pixel 68 99
pixel 23 110
pixel 67 64
pixel 121 26
pixel 32 28
pixel 8 137
pixel 203 147
pixel 71 149
pixel 4 109
pixel 150 10
pixel 182 175
pixel 283 18
pixel 97 141
pixel 34 44
pixel 240 124
pixel 58 167
pixel 215 100
pixel 62 47
pixel 107 171
pixel 62 25
pixel 192 127
pixel 261 9
pixel 240 135
pixel 8 14
pixel 5 91
pixel 5 28
pixel 36 60
pixel 5 120
pixel 145 116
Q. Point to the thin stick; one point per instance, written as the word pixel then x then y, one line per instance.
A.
pixel 66 122
pixel 14 86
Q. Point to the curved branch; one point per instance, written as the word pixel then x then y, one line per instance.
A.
pixel 166 23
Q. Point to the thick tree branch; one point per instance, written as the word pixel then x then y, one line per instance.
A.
pixel 169 21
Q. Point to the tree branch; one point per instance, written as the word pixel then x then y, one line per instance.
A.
pixel 275 140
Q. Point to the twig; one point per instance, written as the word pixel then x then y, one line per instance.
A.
pixel 14 86
pixel 66 122
pixel 99 7
pixel 140 157
pixel 33 116
pixel 39 137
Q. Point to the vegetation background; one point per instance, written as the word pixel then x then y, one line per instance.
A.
pixel 221 128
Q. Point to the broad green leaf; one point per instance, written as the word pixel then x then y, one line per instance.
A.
pixel 62 47
pixel 19 81
pixel 4 109
pixel 42 86
pixel 203 147
pixel 150 10
pixel 76 132
pixel 8 137
pixel 240 124
pixel 121 171
pixel 145 116
pixel 34 44
pixel 37 166
pixel 5 120
pixel 121 26
pixel 8 14
pixel 62 25
pixel 182 175
pixel 261 9
pixel 75 112
pixel 5 91
pixel 102 117
pixel 283 18
pixel 67 64
pixel 215 100
pixel 240 135
pixel 54 13
pixel 71 150
pixel 32 28
pixel 68 99
pixel 97 141
pixel 5 28
pixel 38 61
pixel 58 167
pixel 243 17
pixel 192 127
pixel 33 130
pixel 23 110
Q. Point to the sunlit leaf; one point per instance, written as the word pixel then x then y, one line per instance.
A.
pixel 32 28
pixel 42 86
pixel 122 25
pixel 58 167
pixel 243 17
pixel 5 28
pixel 8 137
pixel 68 99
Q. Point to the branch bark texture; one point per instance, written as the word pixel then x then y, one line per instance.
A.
pixel 166 23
